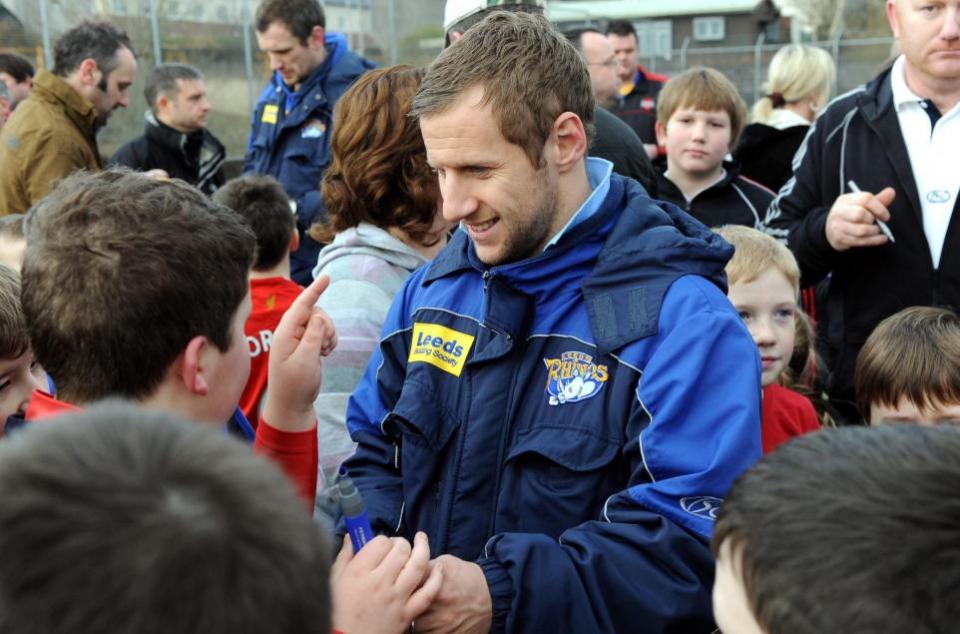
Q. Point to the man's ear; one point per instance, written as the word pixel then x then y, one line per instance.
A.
pixel 294 241
pixel 190 366
pixel 162 103
pixel 90 74
pixel 893 18
pixel 571 140
pixel 317 38
pixel 661 131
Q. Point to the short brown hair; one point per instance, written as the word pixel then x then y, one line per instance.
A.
pixel 832 531
pixel 121 271
pixel 123 519
pixel 299 16
pixel 756 252
pixel 913 354
pixel 14 340
pixel 529 72
pixel 703 89
pixel 264 206
pixel 379 172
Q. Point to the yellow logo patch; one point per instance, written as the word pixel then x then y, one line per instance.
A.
pixel 270 113
pixel 440 347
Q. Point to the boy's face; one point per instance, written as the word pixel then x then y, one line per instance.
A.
pixel 228 370
pixel 906 411
pixel 731 609
pixel 19 377
pixel 696 140
pixel 767 306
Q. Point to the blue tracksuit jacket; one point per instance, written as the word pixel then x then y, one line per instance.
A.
pixel 290 139
pixel 570 422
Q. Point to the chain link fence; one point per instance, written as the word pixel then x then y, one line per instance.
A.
pixel 217 37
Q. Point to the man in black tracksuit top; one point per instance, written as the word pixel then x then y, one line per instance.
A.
pixel 175 140
pixel 887 139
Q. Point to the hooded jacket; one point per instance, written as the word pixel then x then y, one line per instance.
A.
pixel 290 139
pixel 735 200
pixel 570 422
pixel 196 157
pixel 858 138
pixel 50 135
pixel 367 267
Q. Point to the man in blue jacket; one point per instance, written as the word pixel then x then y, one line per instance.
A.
pixel 561 399
pixel 290 139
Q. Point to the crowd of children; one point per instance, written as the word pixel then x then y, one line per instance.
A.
pixel 118 285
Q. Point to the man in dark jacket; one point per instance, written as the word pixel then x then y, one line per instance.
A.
pixel 176 142
pixel 504 413
pixel 292 120
pixel 896 140
pixel 639 87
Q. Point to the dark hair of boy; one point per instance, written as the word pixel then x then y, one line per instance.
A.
pixel 299 16
pixel 850 530
pixel 121 271
pixel 13 327
pixel 121 519
pixel 913 354
pixel 11 226
pixel 17 66
pixel 623 28
pixel 162 80
pixel 97 40
pixel 264 206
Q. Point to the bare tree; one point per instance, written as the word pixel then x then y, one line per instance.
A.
pixel 823 18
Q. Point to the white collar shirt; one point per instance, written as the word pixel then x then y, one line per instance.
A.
pixel 934 151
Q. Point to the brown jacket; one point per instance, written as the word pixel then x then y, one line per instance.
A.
pixel 49 136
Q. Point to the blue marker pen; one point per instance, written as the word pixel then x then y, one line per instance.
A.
pixel 355 516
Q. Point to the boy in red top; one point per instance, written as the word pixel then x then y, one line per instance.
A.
pixel 764 283
pixel 265 208
pixel 136 288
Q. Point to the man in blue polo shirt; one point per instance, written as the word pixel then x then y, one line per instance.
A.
pixel 290 139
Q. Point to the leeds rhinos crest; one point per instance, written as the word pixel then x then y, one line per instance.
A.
pixel 574 377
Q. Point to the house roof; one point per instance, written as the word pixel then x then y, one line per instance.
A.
pixel 564 10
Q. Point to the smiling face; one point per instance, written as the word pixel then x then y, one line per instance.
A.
pixel 290 57
pixel 696 140
pixel 928 34
pixel 767 306
pixel 508 207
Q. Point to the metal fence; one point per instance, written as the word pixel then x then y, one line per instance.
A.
pixel 217 37
pixel 857 60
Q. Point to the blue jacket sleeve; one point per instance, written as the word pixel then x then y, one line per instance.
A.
pixel 644 565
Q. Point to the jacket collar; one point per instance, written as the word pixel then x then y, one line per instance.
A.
pixel 624 259
pixel 159 132
pixel 54 90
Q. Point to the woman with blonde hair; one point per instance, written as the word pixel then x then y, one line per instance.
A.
pixel 798 85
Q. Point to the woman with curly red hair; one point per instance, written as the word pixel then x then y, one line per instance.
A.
pixel 383 206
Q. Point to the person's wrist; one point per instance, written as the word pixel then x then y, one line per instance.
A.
pixel 286 418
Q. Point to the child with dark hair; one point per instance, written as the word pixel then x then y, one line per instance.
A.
pixel 121 519
pixel 265 208
pixel 908 371
pixel 847 530
pixel 763 283
pixel 20 374
pixel 137 288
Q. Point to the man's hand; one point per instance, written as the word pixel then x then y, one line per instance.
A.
pixel 384 587
pixel 304 335
pixel 463 605
pixel 851 221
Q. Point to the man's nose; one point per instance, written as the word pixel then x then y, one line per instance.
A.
pixel 458 202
